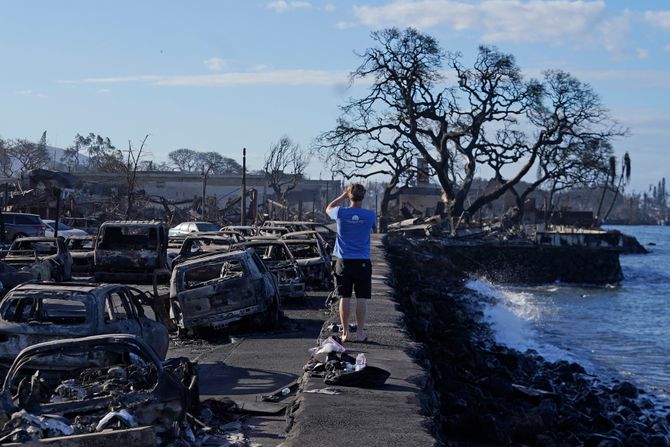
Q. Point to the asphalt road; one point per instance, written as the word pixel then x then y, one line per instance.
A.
pixel 244 365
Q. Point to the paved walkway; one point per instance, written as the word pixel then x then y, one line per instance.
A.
pixel 365 417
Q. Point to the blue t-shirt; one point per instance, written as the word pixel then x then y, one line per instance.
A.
pixel 353 232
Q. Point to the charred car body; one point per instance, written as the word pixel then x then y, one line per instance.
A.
pixel 202 245
pixel 81 250
pixel 217 290
pixel 47 258
pixel 128 251
pixel 119 375
pixel 313 260
pixel 35 313
pixel 279 260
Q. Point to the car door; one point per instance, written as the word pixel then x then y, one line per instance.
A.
pixel 119 316
pixel 154 333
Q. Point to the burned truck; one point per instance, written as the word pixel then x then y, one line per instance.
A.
pixel 130 251
pixel 215 291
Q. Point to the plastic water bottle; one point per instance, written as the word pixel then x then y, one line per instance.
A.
pixel 360 362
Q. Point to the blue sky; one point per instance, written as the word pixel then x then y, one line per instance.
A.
pixel 222 75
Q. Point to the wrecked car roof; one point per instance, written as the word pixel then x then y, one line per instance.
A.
pixel 68 286
pixel 210 257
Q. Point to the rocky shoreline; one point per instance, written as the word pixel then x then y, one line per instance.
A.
pixel 487 394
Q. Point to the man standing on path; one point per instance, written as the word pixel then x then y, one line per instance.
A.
pixel 353 269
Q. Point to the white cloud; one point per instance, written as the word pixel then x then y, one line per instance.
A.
pixel 554 21
pixel 329 7
pixel 283 5
pixel 345 25
pixel 660 19
pixel 103 90
pixel 113 80
pixel 642 53
pixel 645 78
pixel 24 92
pixel 259 67
pixel 295 77
pixel 215 63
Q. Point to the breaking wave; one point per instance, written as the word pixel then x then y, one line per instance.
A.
pixel 514 316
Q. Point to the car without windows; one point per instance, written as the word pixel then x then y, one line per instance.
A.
pixel 34 313
pixel 308 235
pixel 245 230
pixel 47 258
pixel 81 250
pixel 217 290
pixel 327 232
pixel 272 231
pixel 130 251
pixel 313 260
pixel 198 245
pixel 114 372
pixel 279 260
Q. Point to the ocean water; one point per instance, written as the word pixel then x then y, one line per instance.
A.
pixel 620 331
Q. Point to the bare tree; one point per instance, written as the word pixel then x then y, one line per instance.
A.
pixel 373 158
pixel 130 168
pixel 184 159
pixel 284 166
pixel 6 162
pixel 29 155
pixel 490 117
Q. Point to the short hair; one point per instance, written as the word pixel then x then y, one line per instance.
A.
pixel 356 192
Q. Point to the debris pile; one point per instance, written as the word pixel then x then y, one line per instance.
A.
pixel 486 393
pixel 340 368
pixel 125 388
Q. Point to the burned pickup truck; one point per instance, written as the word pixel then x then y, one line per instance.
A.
pixel 119 383
pixel 279 260
pixel 130 251
pixel 46 258
pixel 34 313
pixel 215 291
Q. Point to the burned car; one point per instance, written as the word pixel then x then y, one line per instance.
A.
pixel 81 250
pixel 202 245
pixel 120 381
pixel 313 260
pixel 279 260
pixel 217 290
pixel 130 251
pixel 38 312
pixel 47 258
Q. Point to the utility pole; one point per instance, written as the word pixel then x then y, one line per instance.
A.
pixel 243 214
pixel 204 185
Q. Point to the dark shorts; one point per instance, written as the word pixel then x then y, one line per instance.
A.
pixel 353 275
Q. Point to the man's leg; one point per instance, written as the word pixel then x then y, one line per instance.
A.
pixel 361 312
pixel 344 316
pixel 363 291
